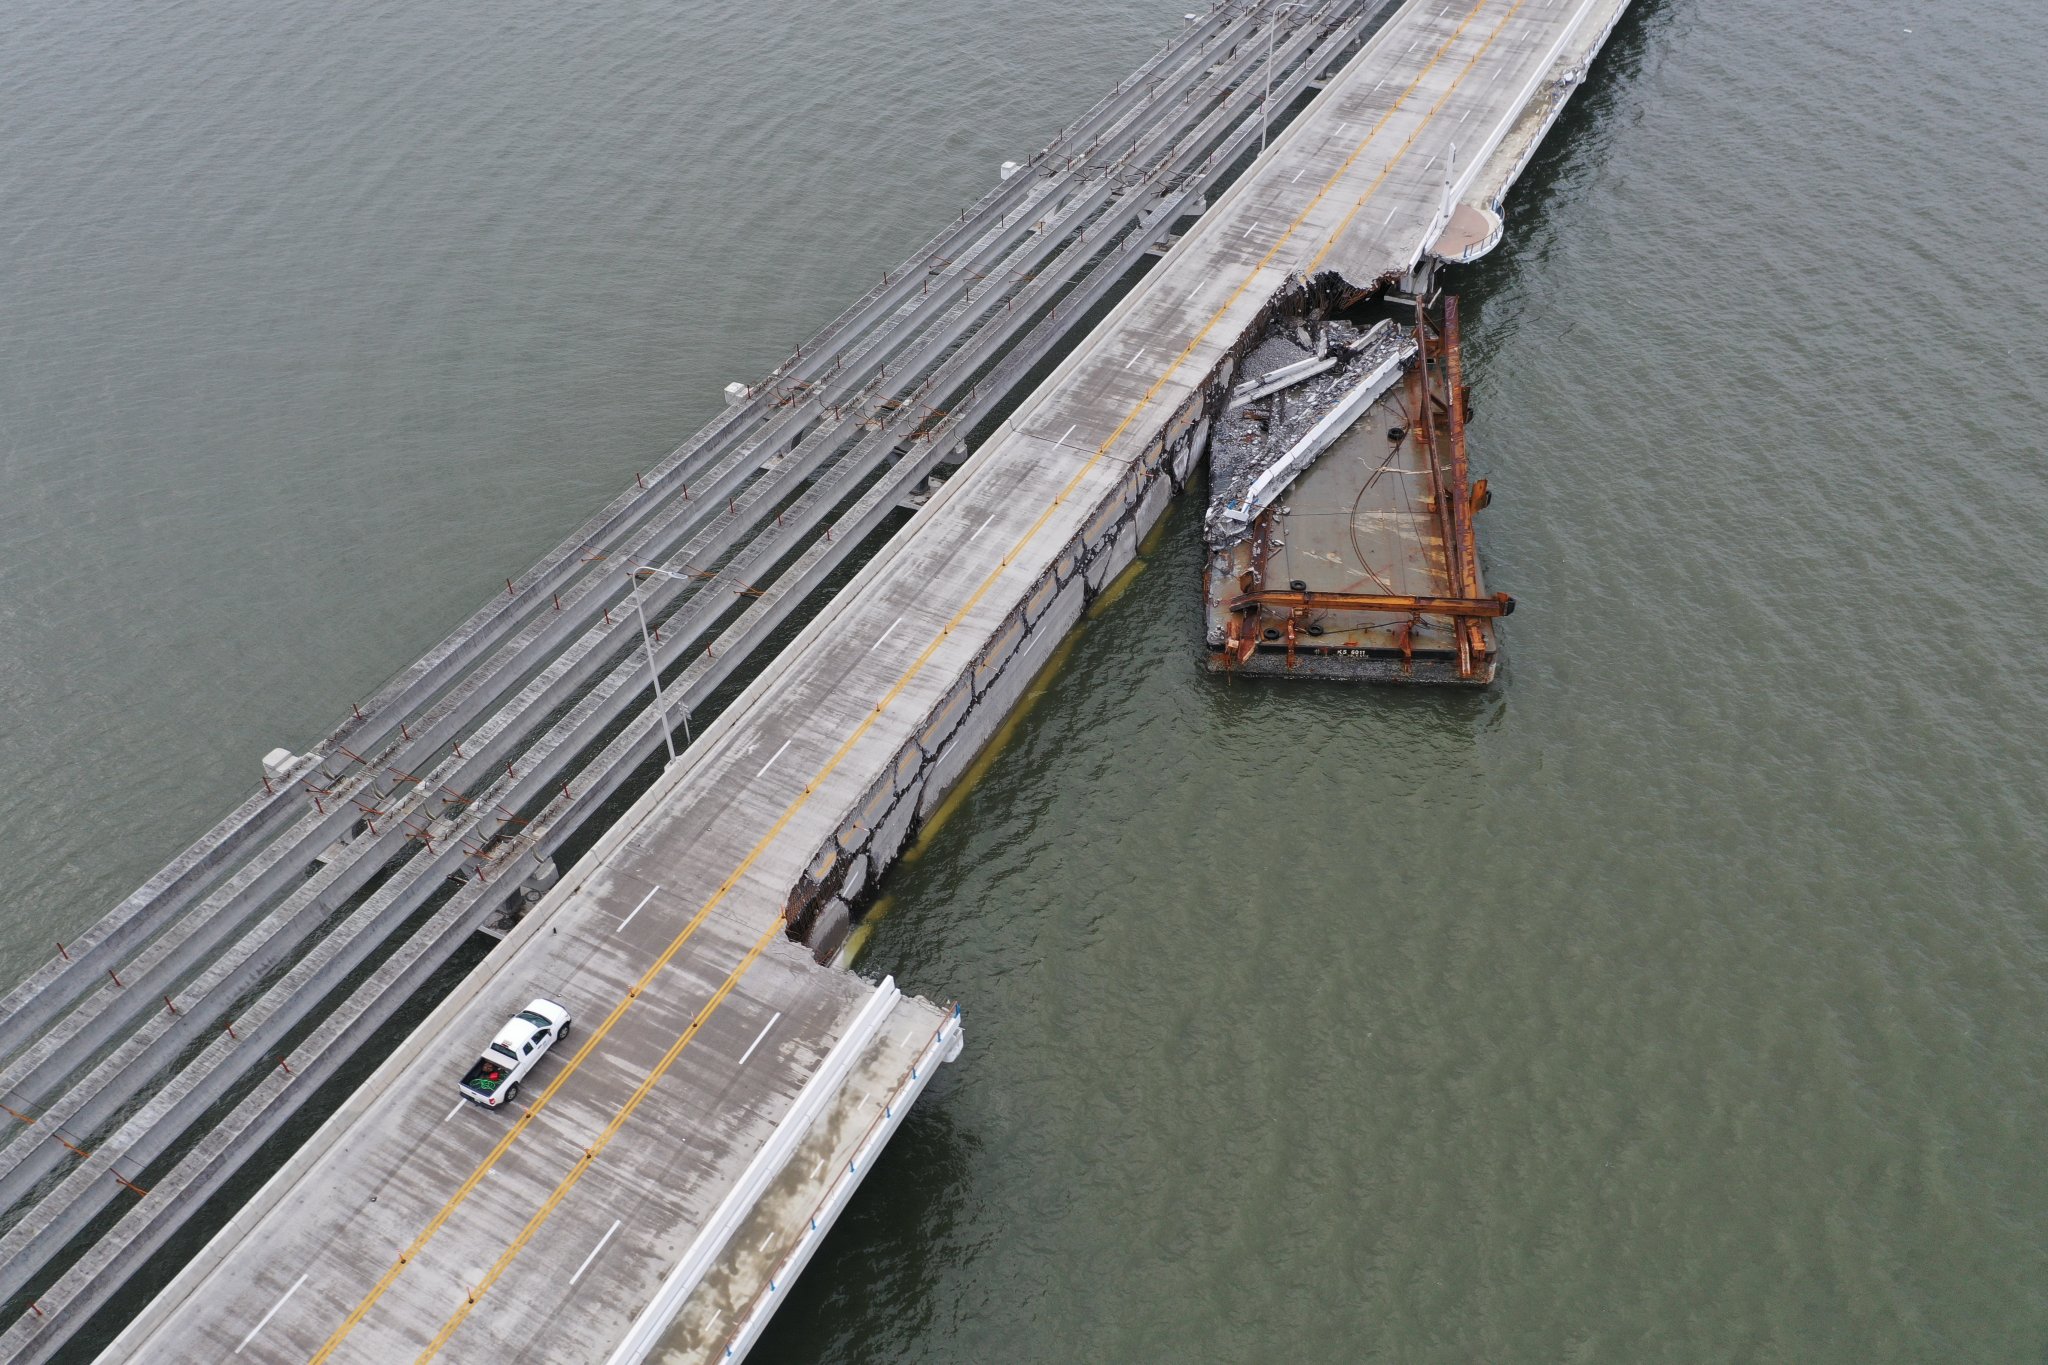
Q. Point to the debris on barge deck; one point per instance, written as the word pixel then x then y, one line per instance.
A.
pixel 1339 530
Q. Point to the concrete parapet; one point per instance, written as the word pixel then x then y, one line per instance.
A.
pixel 974 708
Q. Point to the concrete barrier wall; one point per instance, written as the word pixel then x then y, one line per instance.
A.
pixel 844 874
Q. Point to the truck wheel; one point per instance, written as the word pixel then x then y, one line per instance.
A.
pixel 512 1092
pixel 563 1036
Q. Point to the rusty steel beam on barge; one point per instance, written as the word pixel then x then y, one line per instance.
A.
pixel 1291 631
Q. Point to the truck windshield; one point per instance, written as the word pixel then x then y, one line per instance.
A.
pixel 537 1020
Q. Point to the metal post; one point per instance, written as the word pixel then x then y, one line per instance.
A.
pixel 1446 209
pixel 1266 101
pixel 653 669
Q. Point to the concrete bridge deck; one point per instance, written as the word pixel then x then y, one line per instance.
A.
pixel 700 1021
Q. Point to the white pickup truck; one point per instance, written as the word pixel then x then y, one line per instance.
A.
pixel 523 1041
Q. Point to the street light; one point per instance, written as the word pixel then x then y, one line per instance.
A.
pixel 1266 102
pixel 654 669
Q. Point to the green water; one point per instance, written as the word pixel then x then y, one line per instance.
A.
pixel 1679 999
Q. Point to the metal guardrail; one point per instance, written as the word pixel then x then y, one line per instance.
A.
pixel 752 1319
pixel 810 1102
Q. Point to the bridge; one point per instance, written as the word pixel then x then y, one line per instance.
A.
pixel 674 1164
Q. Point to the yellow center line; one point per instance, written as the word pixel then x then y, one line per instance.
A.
pixel 592 1152
pixel 1416 132
pixel 896 690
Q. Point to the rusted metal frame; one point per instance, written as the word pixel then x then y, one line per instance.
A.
pixel 1500 604
pixel 1433 438
pixel 1423 426
pixel 1473 642
pixel 1445 490
pixel 1255 626
pixel 1461 474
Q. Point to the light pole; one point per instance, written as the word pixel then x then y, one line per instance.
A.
pixel 654 669
pixel 1266 101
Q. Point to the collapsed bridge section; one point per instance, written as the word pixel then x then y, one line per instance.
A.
pixel 1340 529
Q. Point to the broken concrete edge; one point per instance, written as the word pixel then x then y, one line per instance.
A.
pixel 848 868
pixel 821 911
pixel 1142 505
